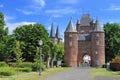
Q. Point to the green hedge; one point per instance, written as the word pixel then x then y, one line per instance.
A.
pixel 7 71
pixel 27 69
pixel 64 65
pixel 3 64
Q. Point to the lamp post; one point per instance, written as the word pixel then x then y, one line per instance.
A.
pixel 40 43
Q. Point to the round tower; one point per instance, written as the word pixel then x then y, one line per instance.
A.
pixel 70 45
pixel 98 45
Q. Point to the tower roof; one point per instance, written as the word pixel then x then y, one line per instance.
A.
pixel 98 27
pixel 57 33
pixel 52 32
pixel 85 20
pixel 70 27
pixel 78 21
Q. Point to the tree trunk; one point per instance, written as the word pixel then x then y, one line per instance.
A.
pixel 48 62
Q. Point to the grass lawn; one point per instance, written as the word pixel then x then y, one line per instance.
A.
pixel 35 75
pixel 104 72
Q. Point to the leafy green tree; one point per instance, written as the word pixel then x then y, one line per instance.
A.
pixel 18 53
pixel 112 40
pixel 30 35
pixel 60 53
pixel 54 50
pixel 46 52
pixel 3 38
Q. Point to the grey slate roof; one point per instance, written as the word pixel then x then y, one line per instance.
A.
pixel 57 33
pixel 78 21
pixel 52 33
pixel 98 27
pixel 85 20
pixel 70 27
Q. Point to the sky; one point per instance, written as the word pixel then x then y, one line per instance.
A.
pixel 20 12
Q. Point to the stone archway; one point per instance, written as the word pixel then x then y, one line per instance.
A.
pixel 86 60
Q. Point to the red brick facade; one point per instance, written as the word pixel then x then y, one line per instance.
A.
pixel 86 39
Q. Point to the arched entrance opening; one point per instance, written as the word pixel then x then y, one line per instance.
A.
pixel 86 60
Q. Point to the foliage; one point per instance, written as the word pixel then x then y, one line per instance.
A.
pixel 6 71
pixel 112 40
pixel 3 64
pixel 35 68
pixel 64 65
pixel 60 53
pixel 30 36
pixel 3 38
pixel 18 53
pixel 25 69
pixel 116 59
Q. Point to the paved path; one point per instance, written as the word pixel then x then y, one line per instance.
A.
pixel 106 78
pixel 73 74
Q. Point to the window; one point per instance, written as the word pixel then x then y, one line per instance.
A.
pixel 82 31
pixel 97 43
pixel 70 35
pixel 70 43
pixel 97 35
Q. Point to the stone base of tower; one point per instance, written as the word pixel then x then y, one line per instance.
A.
pixel 71 63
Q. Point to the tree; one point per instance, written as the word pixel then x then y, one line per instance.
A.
pixel 3 38
pixel 30 35
pixel 112 40
pixel 46 52
pixel 60 53
pixel 18 53
pixel 54 50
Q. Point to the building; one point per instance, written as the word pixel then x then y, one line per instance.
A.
pixel 86 39
pixel 55 37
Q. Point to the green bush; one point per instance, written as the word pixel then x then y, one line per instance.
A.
pixel 37 67
pixel 3 64
pixel 26 64
pixel 7 71
pixel 27 69
pixel 64 65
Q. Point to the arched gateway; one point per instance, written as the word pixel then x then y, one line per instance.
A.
pixel 87 37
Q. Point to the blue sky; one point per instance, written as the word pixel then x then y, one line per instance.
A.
pixel 19 12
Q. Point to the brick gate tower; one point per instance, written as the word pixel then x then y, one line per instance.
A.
pixel 86 39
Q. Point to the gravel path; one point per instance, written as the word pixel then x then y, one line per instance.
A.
pixel 106 78
pixel 73 74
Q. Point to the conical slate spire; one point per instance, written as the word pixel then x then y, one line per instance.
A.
pixel 78 21
pixel 52 32
pixel 57 33
pixel 70 27
pixel 98 26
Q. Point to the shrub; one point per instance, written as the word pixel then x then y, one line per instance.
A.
pixel 26 64
pixel 22 65
pixel 64 65
pixel 116 59
pixel 115 66
pixel 36 67
pixel 27 69
pixel 3 64
pixel 6 71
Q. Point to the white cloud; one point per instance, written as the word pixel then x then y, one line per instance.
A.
pixel 13 26
pixel 115 8
pixel 112 8
pixel 26 12
pixel 1 5
pixel 69 1
pixel 40 2
pixel 7 18
pixel 61 11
